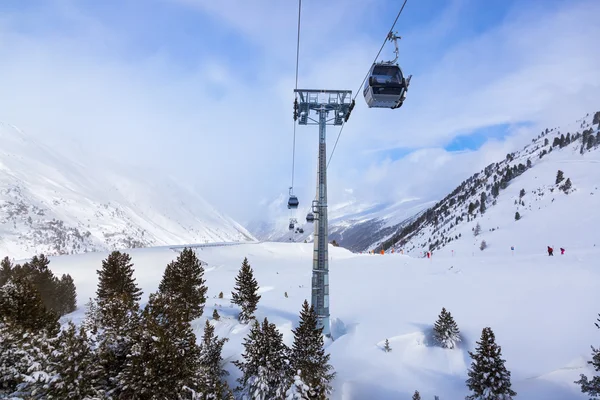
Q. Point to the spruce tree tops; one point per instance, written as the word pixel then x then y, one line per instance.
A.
pixel 592 387
pixel 265 375
pixel 116 282
pixel 246 292
pixel 308 359
pixel 209 379
pixel 488 377
pixel 445 330
pixel 183 282
pixel 58 295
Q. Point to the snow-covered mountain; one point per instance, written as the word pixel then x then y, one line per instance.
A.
pixel 353 224
pixel 54 205
pixel 416 225
pixel 523 190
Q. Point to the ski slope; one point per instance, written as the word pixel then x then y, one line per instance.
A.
pixel 542 310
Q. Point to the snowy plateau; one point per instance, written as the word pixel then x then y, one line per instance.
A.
pixel 542 309
pixel 54 205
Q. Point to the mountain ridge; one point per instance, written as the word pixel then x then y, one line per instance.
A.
pixel 53 204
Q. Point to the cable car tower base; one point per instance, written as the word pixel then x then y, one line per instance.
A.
pixel 322 102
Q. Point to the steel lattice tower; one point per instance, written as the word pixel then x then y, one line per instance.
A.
pixel 322 102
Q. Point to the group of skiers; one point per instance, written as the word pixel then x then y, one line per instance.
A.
pixel 551 251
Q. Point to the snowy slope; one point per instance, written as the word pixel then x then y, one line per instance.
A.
pixel 549 215
pixel 54 205
pixel 541 309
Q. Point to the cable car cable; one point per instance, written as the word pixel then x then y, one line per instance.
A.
pixel 366 76
pixel 296 99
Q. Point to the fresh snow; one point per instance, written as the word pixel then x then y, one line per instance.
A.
pixel 540 308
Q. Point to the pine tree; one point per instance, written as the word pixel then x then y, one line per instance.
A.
pixel 73 365
pixel 163 359
pixel 488 377
pixel 559 177
pixel 308 355
pixel 528 163
pixel 298 390
pixel 5 270
pixel 386 346
pixel 483 245
pixel 246 292
pixel 517 216
pixel 66 295
pixel 445 330
pixel 416 396
pixel 471 208
pixel 566 186
pixel 477 230
pixel 22 306
pixel 118 317
pixel 183 283
pixel 591 142
pixel 220 295
pixel 592 387
pixel 216 315
pixel 26 329
pixel 264 366
pixel 522 193
pixel 117 293
pixel 208 380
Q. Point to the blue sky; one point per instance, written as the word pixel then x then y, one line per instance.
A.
pixel 197 86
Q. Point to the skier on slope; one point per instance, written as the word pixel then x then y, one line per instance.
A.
pixel 562 251
pixel 550 250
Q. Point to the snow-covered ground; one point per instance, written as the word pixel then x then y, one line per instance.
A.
pixel 542 310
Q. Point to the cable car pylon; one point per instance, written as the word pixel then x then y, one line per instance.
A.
pixel 322 102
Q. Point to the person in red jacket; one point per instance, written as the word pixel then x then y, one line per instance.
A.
pixel 550 250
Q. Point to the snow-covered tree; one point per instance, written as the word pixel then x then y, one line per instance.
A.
pixel 416 395
pixel 592 387
pixel 483 245
pixel 566 186
pixel 445 330
pixel 386 346
pixel 117 293
pixel 264 366
pixel 163 358
pixel 73 366
pixel 477 230
pixel 488 377
pixel 299 390
pixel 208 382
pixel 517 216
pixel 183 282
pixel 26 332
pixel 216 315
pixel 246 292
pixel 308 355
pixel 559 177
pixel 117 307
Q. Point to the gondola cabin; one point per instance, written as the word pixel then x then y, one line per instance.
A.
pixel 310 217
pixel 386 86
pixel 293 202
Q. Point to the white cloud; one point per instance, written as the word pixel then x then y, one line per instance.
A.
pixel 231 137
